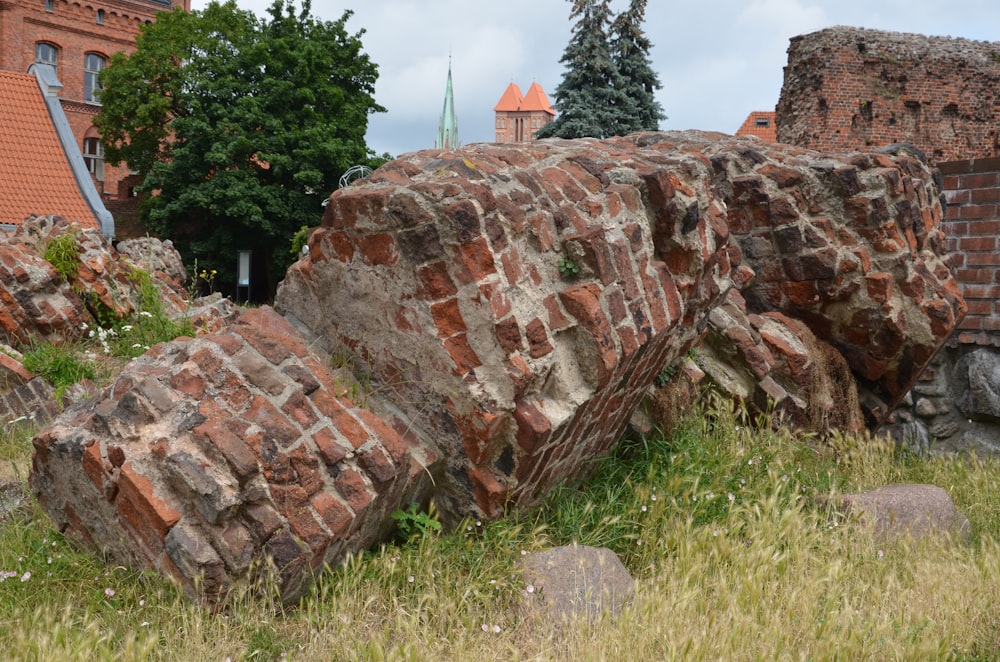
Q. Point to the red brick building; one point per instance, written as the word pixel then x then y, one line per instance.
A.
pixel 760 123
pixel 78 38
pixel 519 116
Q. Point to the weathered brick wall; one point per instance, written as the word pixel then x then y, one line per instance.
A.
pixel 851 89
pixel 972 225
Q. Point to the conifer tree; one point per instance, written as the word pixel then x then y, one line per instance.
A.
pixel 591 97
pixel 630 48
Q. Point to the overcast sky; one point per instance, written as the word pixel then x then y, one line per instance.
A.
pixel 717 59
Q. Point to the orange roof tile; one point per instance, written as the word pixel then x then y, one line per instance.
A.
pixel 760 123
pixel 510 101
pixel 535 99
pixel 35 176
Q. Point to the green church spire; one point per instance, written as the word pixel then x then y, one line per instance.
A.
pixel 447 137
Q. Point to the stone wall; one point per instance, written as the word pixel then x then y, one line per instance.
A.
pixel 852 88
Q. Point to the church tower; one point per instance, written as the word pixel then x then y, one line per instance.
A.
pixel 447 137
pixel 519 117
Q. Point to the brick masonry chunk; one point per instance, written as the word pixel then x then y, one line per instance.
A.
pixel 478 373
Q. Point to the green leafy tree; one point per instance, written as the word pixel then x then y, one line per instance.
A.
pixel 239 126
pixel 631 47
pixel 591 98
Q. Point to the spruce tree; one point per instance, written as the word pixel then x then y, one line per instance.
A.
pixel 591 97
pixel 630 48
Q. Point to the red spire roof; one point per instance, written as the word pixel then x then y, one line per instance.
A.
pixel 536 100
pixel 510 101
pixel 33 168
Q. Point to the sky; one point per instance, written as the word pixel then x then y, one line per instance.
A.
pixel 717 60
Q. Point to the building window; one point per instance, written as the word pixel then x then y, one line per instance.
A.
pixel 48 6
pixel 762 122
pixel 47 54
pixel 92 66
pixel 100 17
pixel 93 156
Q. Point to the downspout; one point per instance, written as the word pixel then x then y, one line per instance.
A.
pixel 50 87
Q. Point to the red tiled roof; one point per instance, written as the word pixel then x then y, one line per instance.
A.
pixel 510 101
pixel 760 123
pixel 535 99
pixel 35 177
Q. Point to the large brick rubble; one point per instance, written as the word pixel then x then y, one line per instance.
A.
pixel 505 310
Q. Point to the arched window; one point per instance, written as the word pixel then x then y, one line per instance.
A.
pixel 100 17
pixel 93 156
pixel 92 66
pixel 47 54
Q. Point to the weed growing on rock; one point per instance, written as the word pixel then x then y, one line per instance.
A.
pixel 63 253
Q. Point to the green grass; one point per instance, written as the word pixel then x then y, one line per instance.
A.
pixel 718 522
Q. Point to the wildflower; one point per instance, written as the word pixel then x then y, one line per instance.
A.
pixel 145 313
pixel 644 509
pixel 652 498
pixel 485 627
pixel 730 496
pixel 136 345
pixel 109 593
pixel 496 629
pixel 26 576
pixel 142 602
pixel 530 588
pixel 83 326
pixel 881 553
pixel 410 579
pixel 144 624
pixel 127 328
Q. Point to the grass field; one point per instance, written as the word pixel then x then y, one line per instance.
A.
pixel 718 522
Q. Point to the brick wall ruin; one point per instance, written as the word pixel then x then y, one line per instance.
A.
pixel 851 89
pixel 504 311
pixel 955 405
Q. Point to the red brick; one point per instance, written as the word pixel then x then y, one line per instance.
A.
pixel 557 320
pixel 477 257
pixel 879 286
pixel 462 355
pixel 490 494
pixel 397 448
pixel 511 260
pixel 306 466
pixel 495 294
pixel 343 248
pixel 299 409
pixel 533 427
pixel 274 422
pixel 544 230
pixel 435 281
pixel 93 466
pixel 538 338
pixel 479 430
pixel 239 457
pixel 137 491
pixel 330 449
pixel 977 243
pixel 508 333
pixel 189 383
pixel 352 487
pixel 333 513
pixel 448 318
pixel 378 249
